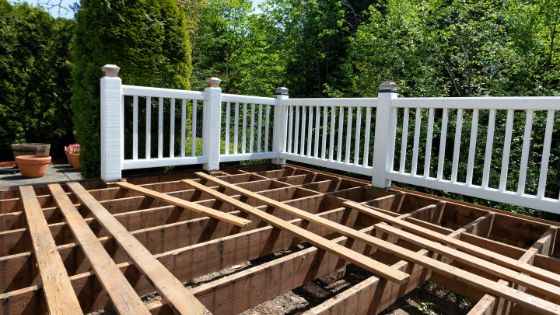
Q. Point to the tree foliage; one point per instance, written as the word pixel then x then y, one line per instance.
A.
pixel 146 38
pixel 34 78
pixel 238 47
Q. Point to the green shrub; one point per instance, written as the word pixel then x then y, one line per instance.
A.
pixel 146 38
pixel 35 78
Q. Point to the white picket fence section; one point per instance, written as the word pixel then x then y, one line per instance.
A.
pixel 309 140
pixel 168 126
pixel 143 127
pixel 434 177
pixel 247 130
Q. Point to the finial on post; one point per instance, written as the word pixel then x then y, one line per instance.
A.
pixel 213 82
pixel 388 86
pixel 110 70
pixel 282 91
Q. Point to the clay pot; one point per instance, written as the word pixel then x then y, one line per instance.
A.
pixel 32 165
pixel 74 159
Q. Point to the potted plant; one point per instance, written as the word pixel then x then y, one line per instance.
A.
pixel 73 154
pixel 33 165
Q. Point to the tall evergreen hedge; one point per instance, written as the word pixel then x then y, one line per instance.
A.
pixel 35 80
pixel 147 39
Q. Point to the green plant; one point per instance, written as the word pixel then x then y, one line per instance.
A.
pixel 35 78
pixel 146 38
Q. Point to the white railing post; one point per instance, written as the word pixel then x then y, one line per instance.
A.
pixel 384 135
pixel 280 129
pixel 112 119
pixel 211 124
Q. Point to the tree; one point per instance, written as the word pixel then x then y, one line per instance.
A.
pixel 146 38
pixel 35 72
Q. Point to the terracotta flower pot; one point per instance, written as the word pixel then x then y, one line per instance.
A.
pixel 32 165
pixel 74 159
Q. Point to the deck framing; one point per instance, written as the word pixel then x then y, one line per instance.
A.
pixel 156 234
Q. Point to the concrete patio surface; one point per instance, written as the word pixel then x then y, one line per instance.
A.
pixel 56 173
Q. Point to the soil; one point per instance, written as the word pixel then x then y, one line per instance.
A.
pixel 429 299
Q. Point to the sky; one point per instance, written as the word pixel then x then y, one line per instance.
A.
pixel 64 9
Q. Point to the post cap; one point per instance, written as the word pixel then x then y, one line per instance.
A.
pixel 110 70
pixel 213 82
pixel 388 86
pixel 282 91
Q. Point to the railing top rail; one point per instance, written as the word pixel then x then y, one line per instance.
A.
pixel 248 99
pixel 515 103
pixel 133 90
pixel 359 102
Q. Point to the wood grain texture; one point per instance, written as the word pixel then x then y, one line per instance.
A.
pixel 491 256
pixel 123 296
pixel 321 242
pixel 182 300
pixel 59 294
pixel 474 280
pixel 186 204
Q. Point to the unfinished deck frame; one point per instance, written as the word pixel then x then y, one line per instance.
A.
pixel 190 245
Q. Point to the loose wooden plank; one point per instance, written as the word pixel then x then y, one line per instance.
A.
pixel 182 300
pixel 487 303
pixel 319 241
pixel 491 256
pixel 59 294
pixel 527 300
pixel 123 296
pixel 186 204
pixel 478 263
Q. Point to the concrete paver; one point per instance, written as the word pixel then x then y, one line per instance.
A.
pixel 56 173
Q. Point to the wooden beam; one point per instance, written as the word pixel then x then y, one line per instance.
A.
pixel 167 285
pixel 474 280
pixel 497 258
pixel 319 241
pixel 186 204
pixel 124 298
pixel 59 294
pixel 362 298
pixel 538 285
pixel 196 260
pixel 489 303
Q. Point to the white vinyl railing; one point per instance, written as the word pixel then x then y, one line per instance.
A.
pixel 504 174
pixel 247 131
pixel 461 145
pixel 334 133
pixel 170 109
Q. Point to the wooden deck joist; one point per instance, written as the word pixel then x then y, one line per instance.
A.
pixel 125 300
pixel 505 261
pixel 349 255
pixel 489 286
pixel 59 294
pixel 190 244
pixel 186 204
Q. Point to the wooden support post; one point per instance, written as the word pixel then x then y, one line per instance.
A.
pixel 59 294
pixel 123 296
pixel 182 300
pixel 186 204
pixel 319 241
pixel 502 260
pixel 474 280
